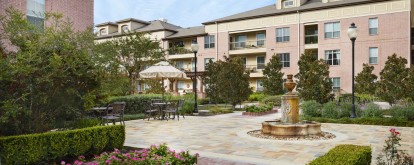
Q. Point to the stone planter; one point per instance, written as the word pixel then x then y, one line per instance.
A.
pixel 259 113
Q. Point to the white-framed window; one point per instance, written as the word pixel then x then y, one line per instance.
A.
pixel 180 85
pixel 259 85
pixel 125 28
pixel 336 83
pixel 102 31
pixel 179 65
pixel 240 41
pixel 287 3
pixel 207 60
pixel 282 34
pixel 179 43
pixel 260 62
pixel 209 41
pixel 260 39
pixel 332 30
pixel 35 12
pixel 373 55
pixel 284 59
pixel 332 57
pixel 373 26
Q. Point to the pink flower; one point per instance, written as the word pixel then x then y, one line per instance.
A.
pixel 63 162
pixel 392 130
pixel 107 161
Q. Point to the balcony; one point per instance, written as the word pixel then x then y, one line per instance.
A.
pixel 255 70
pixel 179 53
pixel 311 36
pixel 246 47
pixel 311 39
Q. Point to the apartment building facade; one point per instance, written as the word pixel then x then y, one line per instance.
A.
pixel 80 12
pixel 288 28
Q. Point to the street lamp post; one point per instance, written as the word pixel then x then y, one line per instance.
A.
pixel 353 34
pixel 194 48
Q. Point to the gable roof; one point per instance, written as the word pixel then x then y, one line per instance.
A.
pixel 271 10
pixel 106 23
pixel 158 25
pixel 132 20
pixel 188 32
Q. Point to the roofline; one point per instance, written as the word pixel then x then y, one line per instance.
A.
pixel 134 20
pixel 293 11
pixel 189 36
pixel 106 23
pixel 123 34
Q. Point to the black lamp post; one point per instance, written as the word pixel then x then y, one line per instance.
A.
pixel 353 34
pixel 194 48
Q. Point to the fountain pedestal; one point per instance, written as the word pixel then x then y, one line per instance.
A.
pixel 289 125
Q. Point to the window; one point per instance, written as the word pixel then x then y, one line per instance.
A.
pixel 282 35
pixel 284 59
pixel 373 55
pixel 260 37
pixel 240 42
pixel 146 86
pixel 259 85
pixel 206 61
pixel 180 85
pixel 288 3
pixel 332 30
pixel 332 57
pixel 179 65
pixel 336 83
pixel 179 43
pixel 102 31
pixel 373 26
pixel 209 41
pixel 125 28
pixel 260 62
pixel 36 12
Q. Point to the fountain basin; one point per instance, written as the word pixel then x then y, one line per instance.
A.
pixel 278 128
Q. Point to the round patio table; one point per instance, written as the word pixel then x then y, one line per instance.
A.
pixel 161 106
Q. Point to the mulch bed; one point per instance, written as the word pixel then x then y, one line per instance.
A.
pixel 322 136
pixel 259 113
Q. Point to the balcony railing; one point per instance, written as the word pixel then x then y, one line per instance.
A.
pixel 254 68
pixel 186 69
pixel 247 45
pixel 311 39
pixel 178 51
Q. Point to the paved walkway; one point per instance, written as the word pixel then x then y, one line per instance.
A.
pixel 222 139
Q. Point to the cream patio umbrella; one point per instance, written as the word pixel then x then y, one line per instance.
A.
pixel 161 71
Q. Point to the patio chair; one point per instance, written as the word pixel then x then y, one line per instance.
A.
pixel 172 108
pixel 180 108
pixel 117 113
pixel 150 110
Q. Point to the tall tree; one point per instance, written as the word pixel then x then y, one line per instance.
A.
pixel 49 78
pixel 409 83
pixel 365 81
pixel 391 87
pixel 273 77
pixel 211 79
pixel 313 79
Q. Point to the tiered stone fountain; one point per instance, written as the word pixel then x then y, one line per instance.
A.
pixel 289 125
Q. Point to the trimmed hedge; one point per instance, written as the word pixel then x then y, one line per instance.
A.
pixel 399 122
pixel 272 100
pixel 135 104
pixel 54 146
pixel 345 154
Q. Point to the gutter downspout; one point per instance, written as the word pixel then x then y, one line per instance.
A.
pixel 299 37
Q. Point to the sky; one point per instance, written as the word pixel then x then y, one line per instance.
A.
pixel 184 13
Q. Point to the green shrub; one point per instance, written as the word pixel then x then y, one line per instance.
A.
pixel 262 108
pixel 400 122
pixel 329 110
pixel 220 109
pixel 372 110
pixel 52 146
pixel 203 101
pixel 256 96
pixel 135 104
pixel 345 110
pixel 311 109
pixel 345 154
pixel 272 100
pixel 133 116
pixel 403 112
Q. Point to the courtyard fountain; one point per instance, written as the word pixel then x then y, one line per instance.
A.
pixel 290 125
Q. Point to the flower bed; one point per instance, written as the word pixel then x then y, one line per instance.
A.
pixel 259 113
pixel 154 155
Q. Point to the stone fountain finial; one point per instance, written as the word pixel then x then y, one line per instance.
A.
pixel 290 84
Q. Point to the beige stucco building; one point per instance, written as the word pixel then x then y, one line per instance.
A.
pixel 287 29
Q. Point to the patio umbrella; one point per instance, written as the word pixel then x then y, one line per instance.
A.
pixel 161 71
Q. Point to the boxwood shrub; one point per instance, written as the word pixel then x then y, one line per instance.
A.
pixel 53 146
pixel 399 122
pixel 135 104
pixel 311 109
pixel 345 154
pixel 272 100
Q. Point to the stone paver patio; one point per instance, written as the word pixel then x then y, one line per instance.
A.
pixel 222 139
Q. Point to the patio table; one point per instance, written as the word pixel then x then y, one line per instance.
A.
pixel 161 106
pixel 99 112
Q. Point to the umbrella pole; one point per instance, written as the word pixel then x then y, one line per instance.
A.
pixel 162 82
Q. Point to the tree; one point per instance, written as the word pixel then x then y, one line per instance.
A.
pixel 49 78
pixel 409 83
pixel 313 79
pixel 365 81
pixel 133 52
pixel 273 77
pixel 227 80
pixel 391 87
